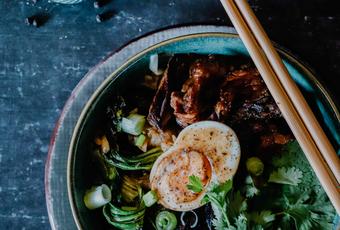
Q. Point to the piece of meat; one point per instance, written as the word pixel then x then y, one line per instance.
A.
pixel 163 138
pixel 201 87
pixel 272 139
pixel 198 92
pixel 160 112
pixel 244 96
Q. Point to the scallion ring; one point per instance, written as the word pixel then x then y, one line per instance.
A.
pixel 133 124
pixel 97 196
pixel 166 220
pixel 195 222
pixel 150 198
pixel 153 65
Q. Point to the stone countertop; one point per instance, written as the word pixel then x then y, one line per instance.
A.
pixel 39 67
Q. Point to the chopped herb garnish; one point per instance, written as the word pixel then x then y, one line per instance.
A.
pixel 195 184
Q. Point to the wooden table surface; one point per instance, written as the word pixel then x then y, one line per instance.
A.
pixel 39 67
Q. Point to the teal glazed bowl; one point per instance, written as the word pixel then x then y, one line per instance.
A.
pixel 123 80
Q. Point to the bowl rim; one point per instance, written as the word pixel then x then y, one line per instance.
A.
pixel 84 111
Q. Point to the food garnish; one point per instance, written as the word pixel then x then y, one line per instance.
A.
pixel 166 220
pixel 195 184
pixel 97 196
pixel 254 166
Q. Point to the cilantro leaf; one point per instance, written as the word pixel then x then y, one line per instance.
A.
pixel 262 218
pixel 304 212
pixel 223 188
pixel 219 202
pixel 195 184
pixel 292 156
pixel 290 176
pixel 238 204
pixel 250 189
pixel 241 222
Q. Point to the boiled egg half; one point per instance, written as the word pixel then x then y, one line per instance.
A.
pixel 208 150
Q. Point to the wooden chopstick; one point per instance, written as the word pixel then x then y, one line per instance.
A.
pixel 323 171
pixel 291 88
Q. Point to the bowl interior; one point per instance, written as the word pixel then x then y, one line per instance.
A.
pixel 123 82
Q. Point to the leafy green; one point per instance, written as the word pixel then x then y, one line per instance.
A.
pixel 115 112
pixel 292 156
pixel 261 218
pixel 140 162
pixel 294 198
pixel 305 206
pixel 218 200
pixel 290 176
pixel 250 188
pixel 108 171
pixel 241 222
pixel 195 184
pixel 123 219
pixel 237 204
pixel 130 189
pixel 307 210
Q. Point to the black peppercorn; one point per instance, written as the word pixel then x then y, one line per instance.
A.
pixel 29 21
pixel 100 3
pixel 97 4
pixel 33 20
pixel 99 18
pixel 104 16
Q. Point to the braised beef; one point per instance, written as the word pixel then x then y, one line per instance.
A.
pixel 195 98
pixel 173 78
pixel 253 100
pixel 225 89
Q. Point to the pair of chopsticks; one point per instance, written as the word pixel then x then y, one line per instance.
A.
pixel 294 108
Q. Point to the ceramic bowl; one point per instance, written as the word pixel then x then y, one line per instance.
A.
pixel 133 70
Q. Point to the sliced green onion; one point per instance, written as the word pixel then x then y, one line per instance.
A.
pixel 150 198
pixel 140 140
pixel 153 65
pixel 97 196
pixel 254 166
pixel 122 219
pixel 166 220
pixel 133 124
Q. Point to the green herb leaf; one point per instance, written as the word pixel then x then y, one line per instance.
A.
pixel 293 156
pixel 262 218
pixel 290 176
pixel 241 222
pixel 250 189
pixel 223 188
pixel 306 212
pixel 305 206
pixel 195 184
pixel 238 204
pixel 219 202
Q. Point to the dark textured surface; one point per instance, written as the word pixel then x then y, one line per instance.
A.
pixel 39 67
